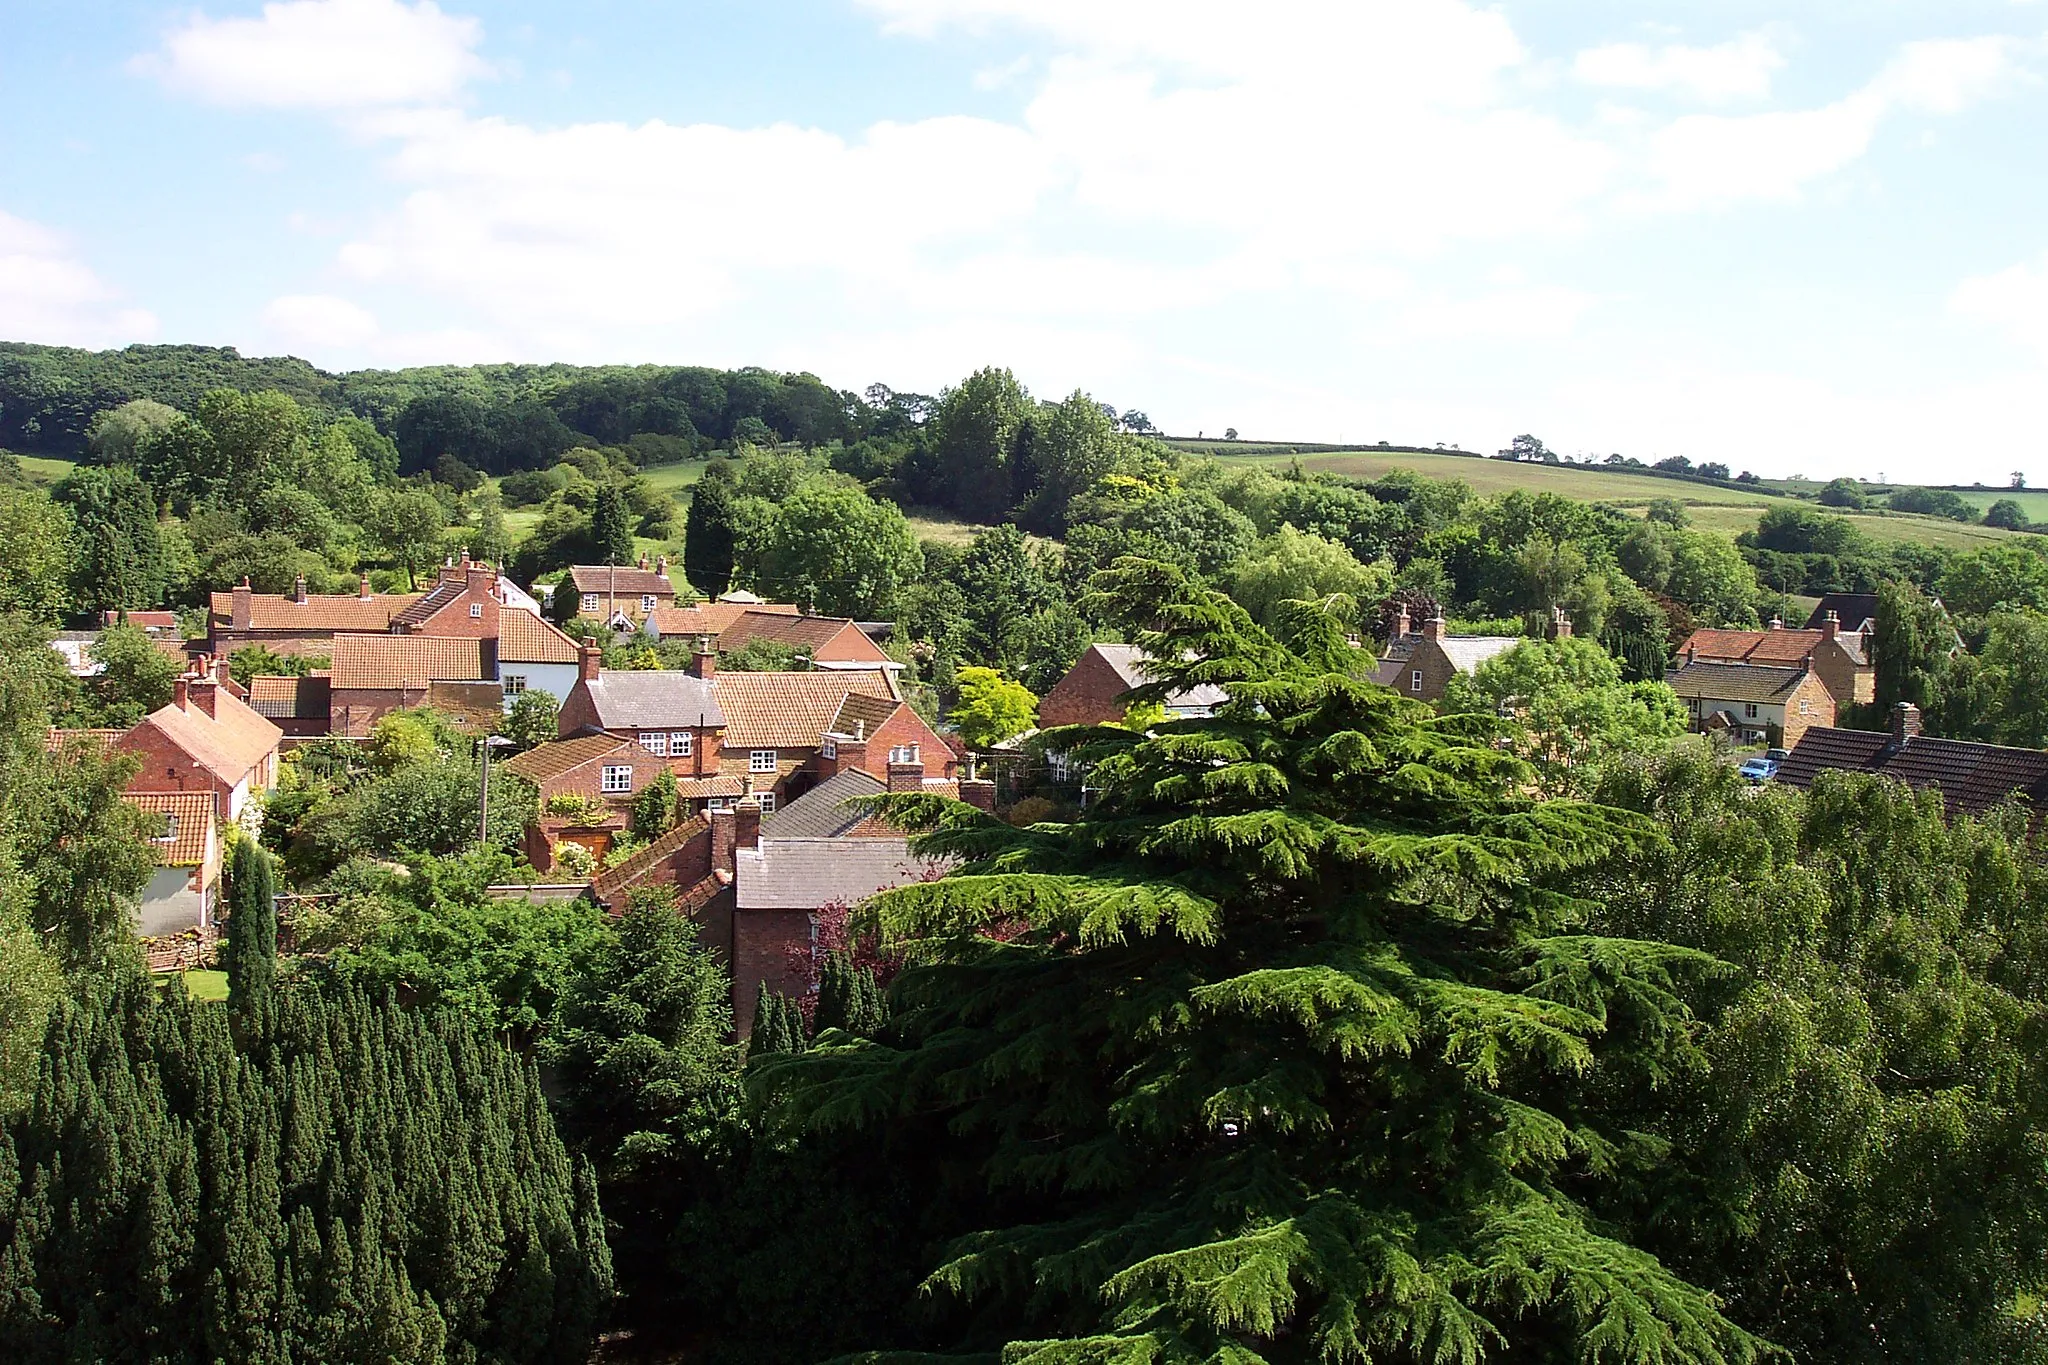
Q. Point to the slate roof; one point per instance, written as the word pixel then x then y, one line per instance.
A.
pixel 279 698
pixel 862 714
pixel 790 710
pixel 623 580
pixel 1971 777
pixel 422 608
pixel 1734 682
pixel 822 812
pixel 391 662
pixel 1852 609
pixel 1468 652
pixel 628 699
pixel 523 638
pixel 806 874
pixel 550 760
pixel 1131 665
pixel 190 825
pixel 228 743
pixel 344 611
pixel 1785 647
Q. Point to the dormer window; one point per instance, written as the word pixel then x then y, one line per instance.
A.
pixel 829 748
pixel 170 834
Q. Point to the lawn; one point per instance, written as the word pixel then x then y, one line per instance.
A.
pixel 44 468
pixel 199 985
pixel 1501 476
pixel 674 478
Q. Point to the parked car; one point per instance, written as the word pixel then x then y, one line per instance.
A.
pixel 1777 755
pixel 1759 770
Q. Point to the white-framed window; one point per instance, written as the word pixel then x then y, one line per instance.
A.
pixel 761 760
pixel 828 748
pixel 476 611
pixel 655 742
pixel 170 834
pixel 618 777
pixel 589 601
pixel 904 753
pixel 767 800
pixel 514 684
pixel 646 601
pixel 720 802
pixel 1415 680
pixel 1749 710
pixel 681 743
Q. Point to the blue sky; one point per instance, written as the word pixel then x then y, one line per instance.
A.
pixel 1799 238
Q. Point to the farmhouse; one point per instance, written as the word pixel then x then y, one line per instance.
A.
pixel 1422 663
pixel 1755 703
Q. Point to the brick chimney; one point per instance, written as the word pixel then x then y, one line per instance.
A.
pixel 181 694
pixel 363 587
pixel 1400 621
pixel 907 777
pixel 244 604
pixel 661 566
pixel 1830 626
pixel 848 752
pixel 1433 628
pixel 723 828
pixel 589 660
pixel 643 561
pixel 704 660
pixel 1905 722
pixel 1560 623
pixel 299 590
pixel 746 822
pixel 979 793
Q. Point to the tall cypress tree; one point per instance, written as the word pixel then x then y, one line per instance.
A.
pixel 252 935
pixel 708 539
pixel 1276 1052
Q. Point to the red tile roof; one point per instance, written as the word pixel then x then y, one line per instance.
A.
pixel 524 638
pixel 790 710
pixel 551 760
pixel 279 611
pixel 623 580
pixel 391 662
pixel 290 698
pixel 832 638
pixel 229 743
pixel 711 618
pixel 1784 647
pixel 189 825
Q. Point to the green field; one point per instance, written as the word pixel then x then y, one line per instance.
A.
pixel 1891 529
pixel 44 469
pixel 674 478
pixel 1501 476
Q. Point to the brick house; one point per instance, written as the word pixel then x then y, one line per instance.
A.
pixel 606 771
pixel 1421 663
pixel 1972 778
pixel 297 622
pixel 373 675
pixel 183 892
pixel 828 641
pixel 1096 690
pixel 1756 703
pixel 301 706
pixel 205 740
pixel 621 595
pixel 711 618
pixel 1841 657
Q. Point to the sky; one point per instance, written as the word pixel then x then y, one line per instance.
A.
pixel 1800 238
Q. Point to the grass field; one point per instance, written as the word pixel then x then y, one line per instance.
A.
pixel 674 478
pixel 1501 476
pixel 199 985
pixel 1885 530
pixel 44 469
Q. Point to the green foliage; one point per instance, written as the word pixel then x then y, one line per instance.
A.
pixel 1996 578
pixel 832 549
pixel 250 953
pixel 849 997
pixel 778 1025
pixel 252 661
pixel 2007 513
pixel 1280 1050
pixel 1845 493
pixel 654 808
pixel 1855 1167
pixel 1933 502
pixel 135 678
pixel 992 708
pixel 358 1182
pixel 35 559
pixel 611 527
pixel 531 721
pixel 1295 566
pixel 708 535
pixel 117 554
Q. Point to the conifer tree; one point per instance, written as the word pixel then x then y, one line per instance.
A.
pixel 1274 1053
pixel 252 935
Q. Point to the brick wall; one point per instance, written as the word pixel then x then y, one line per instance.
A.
pixel 1091 694
pixel 165 767
pixel 1437 672
pixel 225 640
pixel 354 711
pixel 771 946
pixel 907 727
pixel 577 712
pixel 1846 681
pixel 454 619
pixel 1811 703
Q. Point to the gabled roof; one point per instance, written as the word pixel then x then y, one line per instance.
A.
pixel 622 877
pixel 654 699
pixel 523 638
pixel 391 662
pixel 429 603
pixel 711 618
pixel 189 816
pixel 814 633
pixel 804 874
pixel 861 714
pixel 229 743
pixel 1130 664
pixel 1788 648
pixel 1970 777
pixel 626 580
pixel 279 611
pixel 558 756
pixel 1735 682
pixel 281 698
pixel 1468 652
pixel 791 710
pixel 1852 609
pixel 822 812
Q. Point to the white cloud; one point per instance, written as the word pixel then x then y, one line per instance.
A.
pixel 1738 69
pixel 2013 300
pixel 47 294
pixel 318 323
pixel 322 54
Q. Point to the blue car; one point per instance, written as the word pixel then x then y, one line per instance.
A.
pixel 1759 770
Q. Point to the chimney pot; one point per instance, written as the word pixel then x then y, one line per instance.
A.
pixel 1433 628
pixel 704 659
pixel 589 660
pixel 1400 621
pixel 299 590
pixel 1777 623
pixel 1830 626
pixel 907 777
pixel 747 823
pixel 363 586
pixel 181 694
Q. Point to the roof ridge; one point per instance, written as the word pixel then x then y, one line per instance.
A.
pixel 636 865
